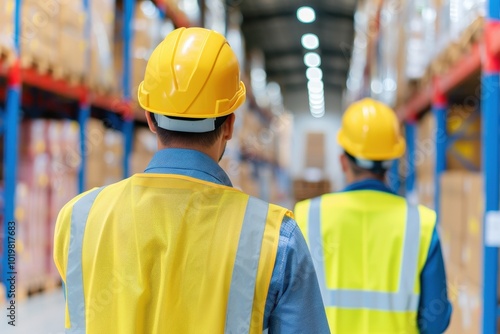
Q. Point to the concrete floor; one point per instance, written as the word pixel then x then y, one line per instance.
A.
pixel 40 314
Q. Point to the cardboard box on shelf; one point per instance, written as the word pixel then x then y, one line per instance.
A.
pixel 7 27
pixel 470 306
pixel 425 189
pixel 453 277
pixel 102 74
pixel 315 150
pixel 472 251
pixel 304 189
pixel 426 145
pixel 464 153
pixel 452 201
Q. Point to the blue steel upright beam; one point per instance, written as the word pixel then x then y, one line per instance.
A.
pixel 439 108
pixel 410 129
pixel 84 106
pixel 490 109
pixel 128 121
pixel 393 177
pixel 13 104
pixel 83 117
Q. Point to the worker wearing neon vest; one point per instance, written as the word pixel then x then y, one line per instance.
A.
pixel 177 249
pixel 378 257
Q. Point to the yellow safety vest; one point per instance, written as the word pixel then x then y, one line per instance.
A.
pixel 160 253
pixel 369 249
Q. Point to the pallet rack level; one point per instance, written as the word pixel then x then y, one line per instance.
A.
pixel 484 57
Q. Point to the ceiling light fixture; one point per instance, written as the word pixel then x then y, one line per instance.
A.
pixel 317 113
pixel 315 87
pixel 306 14
pixel 312 59
pixel 310 41
pixel 314 74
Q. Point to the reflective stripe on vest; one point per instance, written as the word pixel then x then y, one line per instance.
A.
pixel 74 275
pixel 242 289
pixel 403 300
pixel 243 281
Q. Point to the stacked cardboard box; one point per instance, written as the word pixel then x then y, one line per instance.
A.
pixel 304 189
pixel 104 155
pixel 315 150
pixel 465 152
pixel 31 212
pixel 73 41
pixel 40 33
pixel 48 163
pixel 461 235
pixel 6 28
pixel 56 35
pixel 425 159
pixel 102 74
pixel 64 152
pixel 145 146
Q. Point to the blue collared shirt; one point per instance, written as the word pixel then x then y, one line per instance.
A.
pixel 294 303
pixel 434 311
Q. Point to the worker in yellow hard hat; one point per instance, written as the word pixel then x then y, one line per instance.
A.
pixel 378 258
pixel 177 249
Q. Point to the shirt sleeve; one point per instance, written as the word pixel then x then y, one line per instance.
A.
pixel 434 310
pixel 294 303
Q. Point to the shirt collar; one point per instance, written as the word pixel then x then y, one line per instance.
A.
pixel 369 184
pixel 190 163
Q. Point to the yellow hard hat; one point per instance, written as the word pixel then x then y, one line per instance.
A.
pixel 193 73
pixel 370 131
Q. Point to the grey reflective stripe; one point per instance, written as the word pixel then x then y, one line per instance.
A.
pixel 242 288
pixel 74 275
pixel 403 300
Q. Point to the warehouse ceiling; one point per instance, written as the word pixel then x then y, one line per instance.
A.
pixel 272 26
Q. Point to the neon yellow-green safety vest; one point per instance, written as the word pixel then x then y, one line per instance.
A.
pixel 369 249
pixel 166 254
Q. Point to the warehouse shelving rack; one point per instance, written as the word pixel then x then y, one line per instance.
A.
pixel 485 58
pixel 12 94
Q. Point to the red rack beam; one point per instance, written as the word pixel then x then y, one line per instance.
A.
pixel 495 38
pixel 461 71
pixel 458 73
pixel 416 104
pixel 32 77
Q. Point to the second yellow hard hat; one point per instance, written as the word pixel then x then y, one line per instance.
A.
pixel 370 130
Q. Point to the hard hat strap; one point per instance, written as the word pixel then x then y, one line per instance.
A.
pixel 194 125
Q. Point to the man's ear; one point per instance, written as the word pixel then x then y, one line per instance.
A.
pixel 344 163
pixel 228 127
pixel 151 125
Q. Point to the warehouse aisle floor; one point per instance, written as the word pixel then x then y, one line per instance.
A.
pixel 40 314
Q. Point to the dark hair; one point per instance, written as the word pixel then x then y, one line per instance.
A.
pixel 377 172
pixel 205 139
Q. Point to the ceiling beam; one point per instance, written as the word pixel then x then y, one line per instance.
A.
pixel 295 87
pixel 258 17
pixel 271 72
pixel 299 52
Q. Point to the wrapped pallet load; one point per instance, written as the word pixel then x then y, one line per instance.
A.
pixel 40 34
pixel 6 28
pixel 102 74
pixel 73 41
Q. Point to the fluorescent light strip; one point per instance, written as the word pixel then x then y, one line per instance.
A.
pixel 306 14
